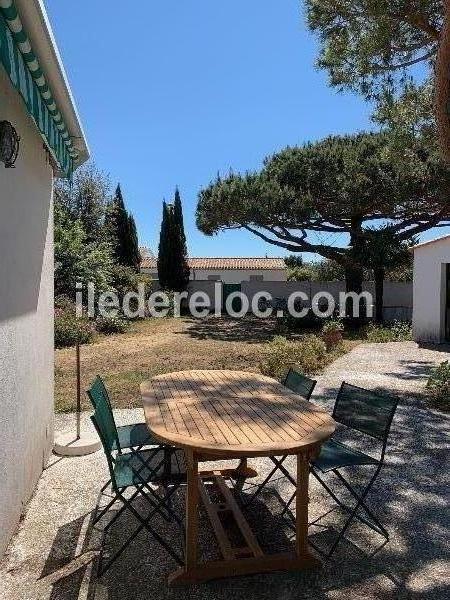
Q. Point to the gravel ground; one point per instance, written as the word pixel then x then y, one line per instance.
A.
pixel 50 558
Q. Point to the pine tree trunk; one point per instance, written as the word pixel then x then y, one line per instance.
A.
pixel 442 85
pixel 379 294
pixel 354 278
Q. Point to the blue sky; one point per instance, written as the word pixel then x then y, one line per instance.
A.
pixel 172 92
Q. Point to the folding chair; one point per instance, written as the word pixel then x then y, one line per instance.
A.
pixel 137 471
pixel 371 414
pixel 304 387
pixel 125 437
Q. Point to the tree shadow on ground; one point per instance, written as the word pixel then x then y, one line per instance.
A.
pixel 250 330
pixel 413 370
pixel 445 348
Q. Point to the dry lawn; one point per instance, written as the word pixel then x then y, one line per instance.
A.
pixel 159 346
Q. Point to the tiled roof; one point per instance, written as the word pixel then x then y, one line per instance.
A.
pixel 220 264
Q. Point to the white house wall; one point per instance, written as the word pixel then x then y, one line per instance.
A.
pixel 429 291
pixel 26 315
pixel 230 275
pixel 239 275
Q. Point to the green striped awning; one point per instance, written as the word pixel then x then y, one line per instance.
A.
pixel 26 75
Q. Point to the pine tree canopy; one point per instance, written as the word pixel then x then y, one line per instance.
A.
pixel 374 47
pixel 319 197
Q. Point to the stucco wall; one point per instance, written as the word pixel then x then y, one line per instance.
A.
pixel 26 315
pixel 230 275
pixel 397 295
pixel 239 275
pixel 429 291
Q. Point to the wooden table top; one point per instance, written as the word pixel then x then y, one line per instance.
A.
pixel 232 413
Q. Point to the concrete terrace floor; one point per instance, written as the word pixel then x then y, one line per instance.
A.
pixel 50 558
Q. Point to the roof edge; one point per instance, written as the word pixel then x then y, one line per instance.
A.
pixel 36 23
pixel 429 242
pixel 239 263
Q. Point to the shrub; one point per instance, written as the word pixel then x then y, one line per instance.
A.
pixel 332 333
pixel 290 323
pixel 332 325
pixel 125 279
pixel 110 325
pixel 399 331
pixel 68 328
pixel 439 386
pixel 308 354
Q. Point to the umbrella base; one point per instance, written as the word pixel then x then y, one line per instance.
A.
pixel 69 445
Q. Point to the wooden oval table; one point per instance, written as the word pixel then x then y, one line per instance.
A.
pixel 218 415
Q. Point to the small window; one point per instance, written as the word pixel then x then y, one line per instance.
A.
pixel 256 278
pixel 213 277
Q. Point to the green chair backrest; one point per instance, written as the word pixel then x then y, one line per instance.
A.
pixel 366 411
pixel 99 398
pixel 98 393
pixel 107 440
pixel 299 383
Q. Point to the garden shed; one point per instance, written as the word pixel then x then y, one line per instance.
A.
pixel 431 311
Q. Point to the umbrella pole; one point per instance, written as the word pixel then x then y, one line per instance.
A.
pixel 65 444
pixel 78 392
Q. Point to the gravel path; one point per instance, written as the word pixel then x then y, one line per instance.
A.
pixel 50 557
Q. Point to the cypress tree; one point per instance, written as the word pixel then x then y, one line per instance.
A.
pixel 134 256
pixel 181 268
pixel 121 232
pixel 163 250
pixel 173 269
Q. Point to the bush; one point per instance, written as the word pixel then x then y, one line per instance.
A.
pixel 439 386
pixel 110 325
pixel 125 279
pixel 332 331
pixel 309 355
pixel 68 328
pixel 399 331
pixel 290 323
pixel 333 325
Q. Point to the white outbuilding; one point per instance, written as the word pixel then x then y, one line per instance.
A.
pixel 431 310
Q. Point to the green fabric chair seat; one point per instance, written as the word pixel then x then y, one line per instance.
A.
pixel 334 455
pixel 126 467
pixel 132 436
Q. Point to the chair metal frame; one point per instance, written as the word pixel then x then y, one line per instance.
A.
pixel 161 505
pixel 370 519
pixel 278 462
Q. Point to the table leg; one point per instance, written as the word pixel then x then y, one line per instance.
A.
pixel 192 494
pixel 290 561
pixel 302 506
